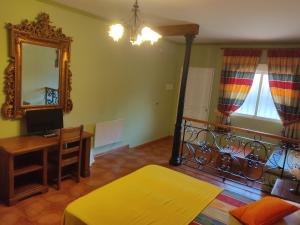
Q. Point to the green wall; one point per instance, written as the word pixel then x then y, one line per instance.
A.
pixel 110 80
pixel 211 55
pixel 116 80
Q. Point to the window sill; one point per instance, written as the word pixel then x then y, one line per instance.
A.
pixel 239 115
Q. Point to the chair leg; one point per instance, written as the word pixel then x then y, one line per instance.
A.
pixel 78 172
pixel 59 178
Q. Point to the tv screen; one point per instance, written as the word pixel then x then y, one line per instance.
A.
pixel 44 121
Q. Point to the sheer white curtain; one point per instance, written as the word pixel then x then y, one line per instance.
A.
pixel 266 107
pixel 259 102
pixel 249 105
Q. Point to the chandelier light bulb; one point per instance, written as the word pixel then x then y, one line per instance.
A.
pixel 137 35
pixel 138 41
pixel 150 35
pixel 116 31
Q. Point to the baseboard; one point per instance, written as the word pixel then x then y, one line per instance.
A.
pixel 123 147
pixel 154 141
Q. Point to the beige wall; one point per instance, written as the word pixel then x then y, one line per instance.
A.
pixel 110 80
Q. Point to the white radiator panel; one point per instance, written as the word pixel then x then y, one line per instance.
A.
pixel 108 132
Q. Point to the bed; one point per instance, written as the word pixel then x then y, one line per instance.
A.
pixel 158 196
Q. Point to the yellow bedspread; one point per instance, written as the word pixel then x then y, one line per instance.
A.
pixel 152 195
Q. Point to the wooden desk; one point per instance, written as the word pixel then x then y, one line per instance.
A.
pixel 26 155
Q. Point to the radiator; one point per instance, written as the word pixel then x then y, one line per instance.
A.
pixel 108 132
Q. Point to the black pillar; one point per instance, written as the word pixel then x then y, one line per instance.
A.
pixel 175 158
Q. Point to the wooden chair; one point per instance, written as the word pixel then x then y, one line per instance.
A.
pixel 70 148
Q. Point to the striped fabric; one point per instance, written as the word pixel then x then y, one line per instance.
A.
pixel 284 80
pixel 239 66
pixel 217 212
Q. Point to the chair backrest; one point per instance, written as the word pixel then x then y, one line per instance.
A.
pixel 70 136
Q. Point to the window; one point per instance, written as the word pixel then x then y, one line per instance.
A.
pixel 259 102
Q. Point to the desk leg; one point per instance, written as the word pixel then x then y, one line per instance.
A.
pixel 11 186
pixel 85 160
pixel 45 167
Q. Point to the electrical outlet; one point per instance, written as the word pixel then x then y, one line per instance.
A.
pixel 169 87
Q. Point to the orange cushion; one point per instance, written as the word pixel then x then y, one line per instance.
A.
pixel 266 211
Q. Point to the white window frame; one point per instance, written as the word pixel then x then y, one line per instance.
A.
pixel 262 70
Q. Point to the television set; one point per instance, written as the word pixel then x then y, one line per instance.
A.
pixel 43 122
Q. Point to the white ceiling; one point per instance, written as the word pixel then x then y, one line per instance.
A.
pixel 221 21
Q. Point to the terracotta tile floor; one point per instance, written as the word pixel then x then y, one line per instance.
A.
pixel 48 208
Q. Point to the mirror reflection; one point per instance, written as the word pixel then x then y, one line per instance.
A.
pixel 40 75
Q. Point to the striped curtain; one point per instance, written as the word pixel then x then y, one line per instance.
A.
pixel 237 75
pixel 284 79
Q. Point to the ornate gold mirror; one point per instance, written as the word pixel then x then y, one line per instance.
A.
pixel 38 74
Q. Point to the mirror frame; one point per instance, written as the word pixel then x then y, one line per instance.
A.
pixel 38 32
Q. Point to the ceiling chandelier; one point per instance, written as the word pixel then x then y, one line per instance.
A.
pixel 138 32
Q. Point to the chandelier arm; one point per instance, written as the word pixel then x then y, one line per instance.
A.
pixel 140 33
